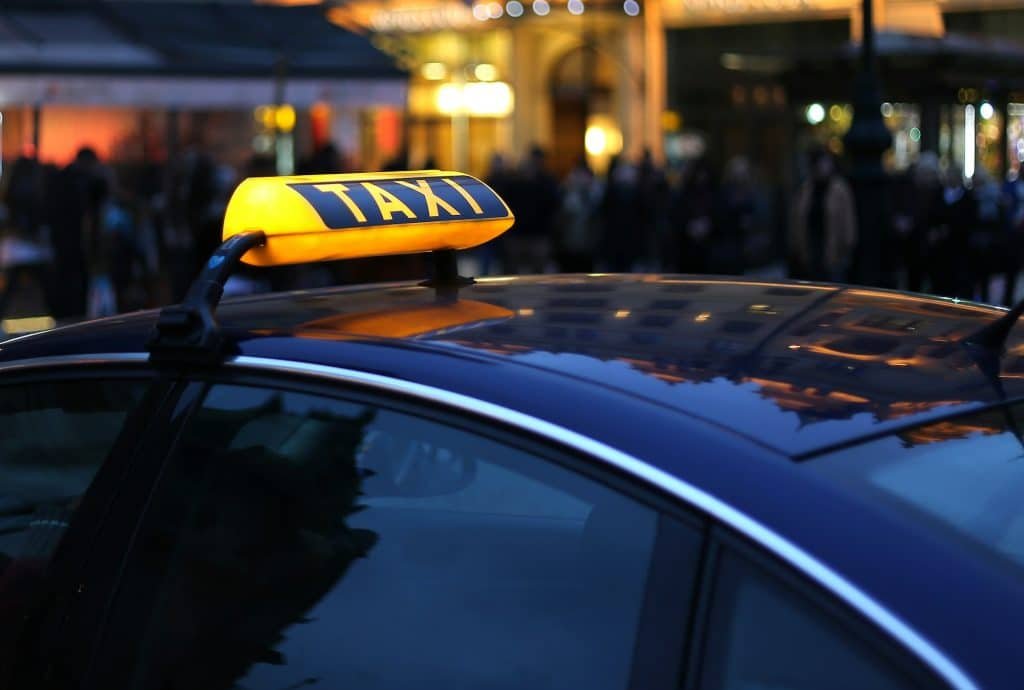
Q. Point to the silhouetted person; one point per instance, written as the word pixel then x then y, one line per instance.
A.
pixel 324 160
pixel 24 195
pixel 985 241
pixel 535 203
pixel 24 201
pixel 620 218
pixel 400 161
pixel 734 224
pixel 75 205
pixel 575 246
pixel 502 179
pixel 652 192
pixel 948 257
pixel 693 216
pixel 1013 214
pixel 917 205
pixel 823 232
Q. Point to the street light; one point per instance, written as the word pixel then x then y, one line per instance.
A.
pixel 866 141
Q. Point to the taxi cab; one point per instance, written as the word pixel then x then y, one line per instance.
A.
pixel 570 481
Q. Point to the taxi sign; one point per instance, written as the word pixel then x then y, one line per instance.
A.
pixel 327 217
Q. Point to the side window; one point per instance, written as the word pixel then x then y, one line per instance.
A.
pixel 54 435
pixel 302 540
pixel 764 633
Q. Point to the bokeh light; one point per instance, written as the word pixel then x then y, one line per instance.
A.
pixel 815 113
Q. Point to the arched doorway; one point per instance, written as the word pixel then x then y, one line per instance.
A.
pixel 582 86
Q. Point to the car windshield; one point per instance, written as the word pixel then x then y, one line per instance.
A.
pixel 964 475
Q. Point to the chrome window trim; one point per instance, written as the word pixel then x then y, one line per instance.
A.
pixel 74 360
pixel 782 548
pixel 832 581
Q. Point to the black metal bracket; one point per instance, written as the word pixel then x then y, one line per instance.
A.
pixel 446 271
pixel 446 279
pixel 188 332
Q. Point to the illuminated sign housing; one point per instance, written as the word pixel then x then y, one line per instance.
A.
pixel 329 217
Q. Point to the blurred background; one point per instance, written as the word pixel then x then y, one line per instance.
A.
pixel 878 142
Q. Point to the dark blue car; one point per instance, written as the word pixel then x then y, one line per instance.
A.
pixel 601 482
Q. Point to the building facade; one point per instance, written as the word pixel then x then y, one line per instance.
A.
pixel 574 78
pixel 137 81
pixel 767 79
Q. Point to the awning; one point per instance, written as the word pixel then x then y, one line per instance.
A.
pixel 164 53
pixel 195 92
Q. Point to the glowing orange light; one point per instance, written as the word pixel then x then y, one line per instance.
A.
pixel 289 3
pixel 404 322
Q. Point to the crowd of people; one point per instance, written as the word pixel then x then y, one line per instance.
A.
pixel 637 216
pixel 96 241
pixel 951 238
pixel 946 235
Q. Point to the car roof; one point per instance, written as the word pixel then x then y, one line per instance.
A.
pixel 797 367
pixel 719 382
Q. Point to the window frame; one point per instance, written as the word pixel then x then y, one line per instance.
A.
pixel 660 646
pixel 725 541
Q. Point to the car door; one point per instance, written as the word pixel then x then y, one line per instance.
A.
pixel 301 534
pixel 67 433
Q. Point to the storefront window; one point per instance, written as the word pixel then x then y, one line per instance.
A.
pixel 1015 137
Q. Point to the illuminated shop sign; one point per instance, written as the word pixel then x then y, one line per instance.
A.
pixel 474 99
pixel 738 6
pixel 401 17
pixel 922 17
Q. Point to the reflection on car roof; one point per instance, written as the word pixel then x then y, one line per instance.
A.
pixel 798 367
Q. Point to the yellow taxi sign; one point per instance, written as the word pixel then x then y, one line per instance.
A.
pixel 326 217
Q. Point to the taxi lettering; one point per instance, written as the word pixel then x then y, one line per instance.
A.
pixel 341 191
pixel 387 203
pixel 432 199
pixel 400 201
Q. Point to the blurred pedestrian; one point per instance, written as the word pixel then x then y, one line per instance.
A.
pixel 127 259
pixel 398 162
pixel 902 197
pixel 1013 219
pixel 823 231
pixel 736 210
pixel 692 214
pixel 24 196
pixel 986 239
pixel 947 241
pixel 76 202
pixel 652 193
pixel 575 226
pixel 621 231
pixel 24 251
pixel 200 190
pixel 918 211
pixel 535 204
pixel 324 160
pixel 501 178
pixel 193 187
